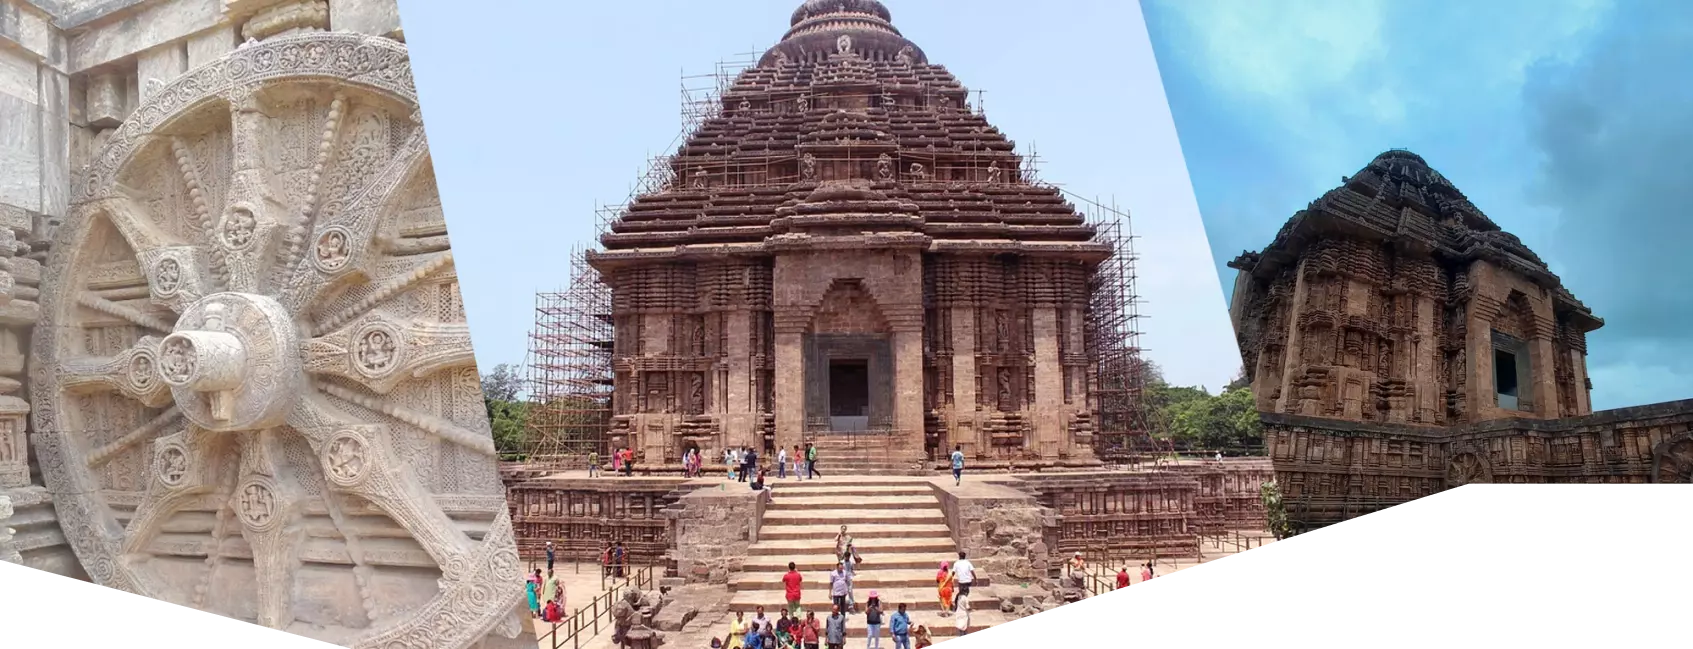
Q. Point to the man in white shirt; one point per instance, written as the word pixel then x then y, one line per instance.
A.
pixel 964 573
pixel 782 463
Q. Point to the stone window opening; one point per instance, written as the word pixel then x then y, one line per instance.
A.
pixel 849 394
pixel 1505 378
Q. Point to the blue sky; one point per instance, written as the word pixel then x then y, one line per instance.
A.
pixel 539 111
pixel 1567 122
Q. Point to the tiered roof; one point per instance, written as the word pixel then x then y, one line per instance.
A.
pixel 1398 197
pixel 844 98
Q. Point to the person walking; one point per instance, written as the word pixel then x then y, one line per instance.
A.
pixel 836 631
pixel 605 561
pixel 1123 577
pixel 944 584
pixel 790 586
pixel 617 461
pixel 594 464
pixel 964 573
pixel 799 462
pixel 1146 572
pixel 628 463
pixel 962 621
pixel 958 465
pixel 1077 565
pixel 550 556
pixel 811 462
pixel 839 586
pixel 899 627
pixel 873 621
pixel 782 464
pixel 619 560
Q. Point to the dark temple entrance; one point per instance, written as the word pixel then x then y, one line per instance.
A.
pixel 848 383
pixel 849 394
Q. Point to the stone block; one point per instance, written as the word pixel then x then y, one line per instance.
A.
pixel 375 17
pixel 207 46
pixel 19 76
pixel 55 143
pixel 20 153
pixel 158 66
pixel 105 104
pixel 149 26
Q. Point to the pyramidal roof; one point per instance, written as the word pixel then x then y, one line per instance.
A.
pixel 1399 198
pixel 844 97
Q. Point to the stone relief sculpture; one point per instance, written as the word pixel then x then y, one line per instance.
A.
pixel 253 385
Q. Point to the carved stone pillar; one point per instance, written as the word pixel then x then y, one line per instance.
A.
pixel 965 420
pixel 1049 411
pixel 740 414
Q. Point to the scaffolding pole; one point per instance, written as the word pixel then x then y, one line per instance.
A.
pixel 1129 430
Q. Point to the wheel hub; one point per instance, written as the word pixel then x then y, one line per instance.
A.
pixel 232 362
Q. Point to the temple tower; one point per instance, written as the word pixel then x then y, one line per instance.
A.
pixel 848 248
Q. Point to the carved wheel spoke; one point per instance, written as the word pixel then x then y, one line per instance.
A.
pixel 133 373
pixel 256 348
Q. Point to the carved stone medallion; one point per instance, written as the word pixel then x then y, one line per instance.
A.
pixel 246 253
pixel 334 249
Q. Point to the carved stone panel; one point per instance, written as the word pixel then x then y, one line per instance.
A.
pixel 253 388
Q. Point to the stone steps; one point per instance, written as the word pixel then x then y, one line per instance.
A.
pixel 866 547
pixel 838 517
pixel 861 533
pixel 823 561
pixel 841 503
pixel 883 578
pixel 918 599
pixel 809 488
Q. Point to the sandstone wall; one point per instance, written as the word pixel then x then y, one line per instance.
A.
pixel 580 515
pixel 1006 532
pixel 1331 470
pixel 712 529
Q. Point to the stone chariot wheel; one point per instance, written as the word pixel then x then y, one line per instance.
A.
pixel 254 388
pixel 1467 468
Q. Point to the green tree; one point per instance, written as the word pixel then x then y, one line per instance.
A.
pixel 507 414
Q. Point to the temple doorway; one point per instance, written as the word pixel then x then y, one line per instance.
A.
pixel 849 395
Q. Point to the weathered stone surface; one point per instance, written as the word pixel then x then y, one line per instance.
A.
pixel 1370 329
pixel 844 211
pixel 305 217
pixel 8 549
pixel 999 528
pixel 713 529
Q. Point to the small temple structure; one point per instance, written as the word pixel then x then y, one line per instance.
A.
pixel 848 248
pixel 1400 343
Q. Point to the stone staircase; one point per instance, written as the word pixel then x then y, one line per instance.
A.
pixel 899 529
pixel 866 454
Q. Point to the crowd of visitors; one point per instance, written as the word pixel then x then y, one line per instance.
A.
pixel 797 628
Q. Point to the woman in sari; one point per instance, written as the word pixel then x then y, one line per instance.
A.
pixel 534 589
pixel 943 584
pixel 737 632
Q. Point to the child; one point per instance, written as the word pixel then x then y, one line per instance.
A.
pixel 922 636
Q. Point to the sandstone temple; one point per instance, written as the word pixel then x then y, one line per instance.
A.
pixel 234 367
pixel 844 246
pixel 1400 343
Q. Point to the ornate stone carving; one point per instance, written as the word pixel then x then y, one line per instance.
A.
pixel 1467 468
pixel 843 44
pixel 884 167
pixel 296 358
pixel 808 167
